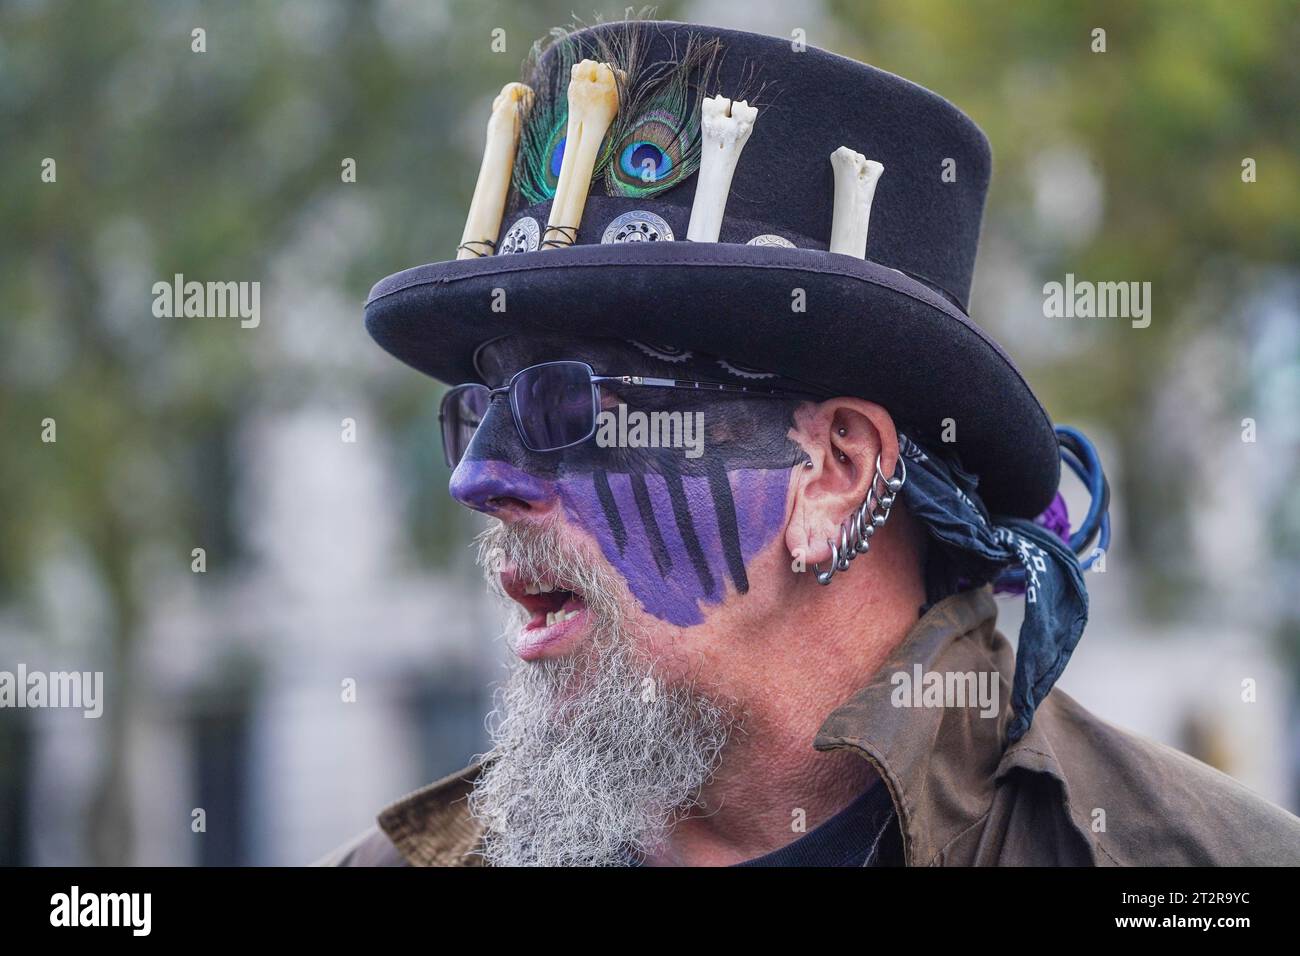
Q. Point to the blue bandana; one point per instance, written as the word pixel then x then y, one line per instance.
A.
pixel 945 500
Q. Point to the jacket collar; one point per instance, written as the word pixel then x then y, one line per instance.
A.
pixel 940 764
pixel 433 825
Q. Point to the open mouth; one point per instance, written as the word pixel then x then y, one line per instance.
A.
pixel 554 613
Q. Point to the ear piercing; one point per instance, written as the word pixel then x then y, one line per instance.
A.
pixel 857 530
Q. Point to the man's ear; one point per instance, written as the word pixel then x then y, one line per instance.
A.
pixel 841 437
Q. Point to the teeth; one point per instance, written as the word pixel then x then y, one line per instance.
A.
pixel 559 617
pixel 532 588
pixel 546 588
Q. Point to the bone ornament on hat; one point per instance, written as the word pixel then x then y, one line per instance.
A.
pixel 726 127
pixel 855 187
pixel 593 104
pixel 489 202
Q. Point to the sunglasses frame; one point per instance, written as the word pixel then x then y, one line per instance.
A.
pixel 596 380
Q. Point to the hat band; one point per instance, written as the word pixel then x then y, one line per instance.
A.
pixel 521 230
pixel 601 211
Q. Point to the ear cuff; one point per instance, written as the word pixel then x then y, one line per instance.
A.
pixel 856 531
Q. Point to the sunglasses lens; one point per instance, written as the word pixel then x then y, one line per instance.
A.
pixel 554 404
pixel 462 410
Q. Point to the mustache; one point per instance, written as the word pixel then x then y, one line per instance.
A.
pixel 546 551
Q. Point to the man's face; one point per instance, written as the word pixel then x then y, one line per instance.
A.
pixel 637 574
pixel 680 527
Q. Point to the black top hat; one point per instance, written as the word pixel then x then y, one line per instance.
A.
pixel 891 328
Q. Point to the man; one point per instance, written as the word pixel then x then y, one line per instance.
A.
pixel 751 568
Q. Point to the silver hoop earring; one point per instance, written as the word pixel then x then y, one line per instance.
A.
pixel 856 531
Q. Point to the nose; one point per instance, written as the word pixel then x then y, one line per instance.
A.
pixel 494 476
pixel 500 489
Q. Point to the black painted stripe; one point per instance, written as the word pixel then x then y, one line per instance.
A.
pixel 607 503
pixel 642 494
pixel 686 528
pixel 725 508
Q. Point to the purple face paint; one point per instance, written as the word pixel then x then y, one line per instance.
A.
pixel 693 567
pixel 680 530
pixel 673 553
pixel 480 483
pixel 760 496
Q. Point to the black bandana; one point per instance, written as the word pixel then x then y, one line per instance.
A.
pixel 945 500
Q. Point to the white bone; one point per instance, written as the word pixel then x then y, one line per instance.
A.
pixel 855 187
pixel 489 202
pixel 593 104
pixel 726 127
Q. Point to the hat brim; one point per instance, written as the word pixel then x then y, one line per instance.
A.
pixel 865 330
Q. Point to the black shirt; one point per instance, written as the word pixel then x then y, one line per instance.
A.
pixel 848 838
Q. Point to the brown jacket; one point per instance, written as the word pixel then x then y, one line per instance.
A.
pixel 1073 791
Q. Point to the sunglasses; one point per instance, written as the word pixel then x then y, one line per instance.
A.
pixel 555 405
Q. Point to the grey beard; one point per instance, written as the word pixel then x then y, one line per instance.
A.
pixel 593 761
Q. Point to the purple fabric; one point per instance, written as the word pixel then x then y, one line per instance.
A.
pixel 1056 518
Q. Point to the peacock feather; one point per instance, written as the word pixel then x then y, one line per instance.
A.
pixel 654 143
pixel 542 127
pixel 547 70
